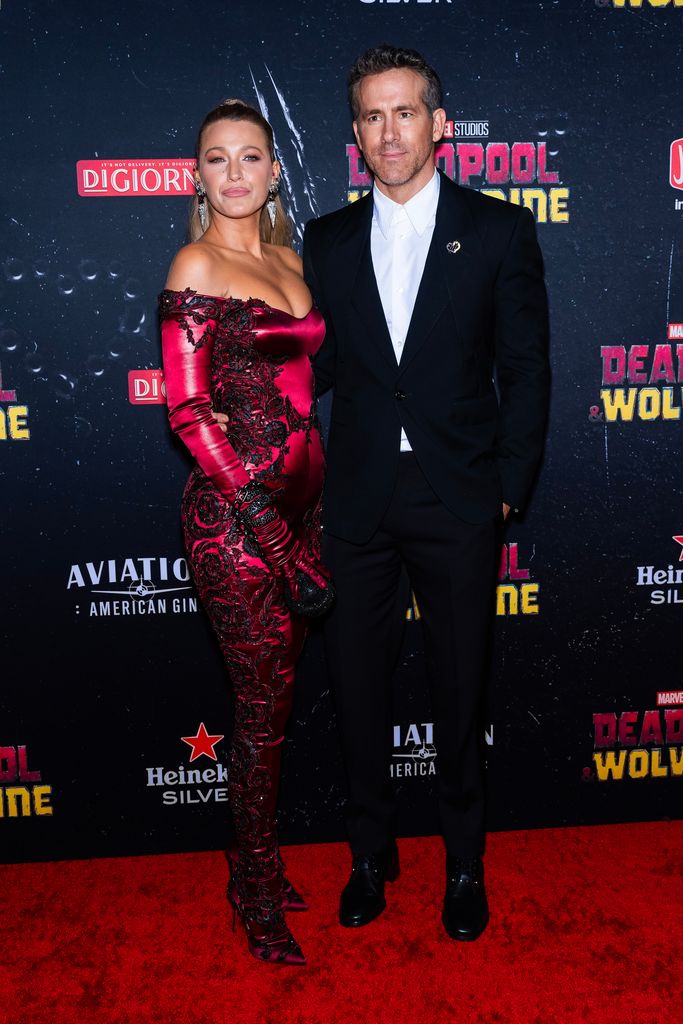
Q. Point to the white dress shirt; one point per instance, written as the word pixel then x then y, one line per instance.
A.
pixel 399 242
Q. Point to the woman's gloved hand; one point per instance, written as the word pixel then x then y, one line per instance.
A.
pixel 307 587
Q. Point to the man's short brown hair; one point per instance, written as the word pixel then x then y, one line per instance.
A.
pixel 390 58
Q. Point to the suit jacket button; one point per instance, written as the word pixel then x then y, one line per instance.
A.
pixel 400 395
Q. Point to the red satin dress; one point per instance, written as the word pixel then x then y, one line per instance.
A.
pixel 253 362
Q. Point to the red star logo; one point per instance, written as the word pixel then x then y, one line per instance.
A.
pixel 202 743
pixel 679 540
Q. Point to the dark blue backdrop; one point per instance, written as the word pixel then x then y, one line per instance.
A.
pixel 100 701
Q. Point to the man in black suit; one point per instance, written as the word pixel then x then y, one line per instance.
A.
pixel 427 289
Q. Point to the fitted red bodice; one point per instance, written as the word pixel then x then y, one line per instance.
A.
pixel 252 362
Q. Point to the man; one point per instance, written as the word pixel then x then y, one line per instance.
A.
pixel 427 289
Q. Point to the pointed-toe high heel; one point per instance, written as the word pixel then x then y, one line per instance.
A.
pixel 268 937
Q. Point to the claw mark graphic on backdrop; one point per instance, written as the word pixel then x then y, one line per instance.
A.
pixel 301 191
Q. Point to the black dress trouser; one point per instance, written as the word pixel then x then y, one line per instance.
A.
pixel 452 569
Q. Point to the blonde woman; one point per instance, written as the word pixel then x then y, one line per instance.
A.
pixel 238 333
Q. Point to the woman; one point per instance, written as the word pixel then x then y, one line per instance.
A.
pixel 250 510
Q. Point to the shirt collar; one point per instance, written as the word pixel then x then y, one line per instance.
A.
pixel 421 208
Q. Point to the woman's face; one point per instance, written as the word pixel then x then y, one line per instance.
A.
pixel 235 167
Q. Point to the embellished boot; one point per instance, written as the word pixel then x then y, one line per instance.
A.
pixel 257 899
pixel 292 900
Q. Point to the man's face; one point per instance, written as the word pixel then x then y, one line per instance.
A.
pixel 395 131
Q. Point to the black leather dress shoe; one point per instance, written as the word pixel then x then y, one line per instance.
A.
pixel 465 907
pixel 362 899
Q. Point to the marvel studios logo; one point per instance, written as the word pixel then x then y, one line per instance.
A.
pixel 146 387
pixel 667 698
pixel 466 130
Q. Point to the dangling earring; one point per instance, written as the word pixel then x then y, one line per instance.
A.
pixel 201 195
pixel 270 205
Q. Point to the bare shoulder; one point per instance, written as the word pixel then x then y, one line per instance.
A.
pixel 193 267
pixel 289 258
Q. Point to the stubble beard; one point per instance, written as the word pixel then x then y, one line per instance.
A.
pixel 401 176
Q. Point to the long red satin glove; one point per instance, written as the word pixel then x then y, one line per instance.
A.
pixel 283 553
pixel 187 349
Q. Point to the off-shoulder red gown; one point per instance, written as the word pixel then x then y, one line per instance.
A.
pixel 253 362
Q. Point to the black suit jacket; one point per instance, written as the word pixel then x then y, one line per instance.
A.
pixel 481 308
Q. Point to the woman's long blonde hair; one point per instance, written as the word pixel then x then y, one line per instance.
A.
pixel 237 110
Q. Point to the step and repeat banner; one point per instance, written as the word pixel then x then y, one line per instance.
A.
pixel 115 709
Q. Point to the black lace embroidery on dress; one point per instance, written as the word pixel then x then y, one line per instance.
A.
pixel 244 385
pixel 204 311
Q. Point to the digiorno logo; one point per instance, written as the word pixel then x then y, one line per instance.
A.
pixel 125 177
pixel 145 585
pixel 519 172
pixel 146 387
pixel 187 785
pixel 13 416
pixel 665 585
pixel 23 794
pixel 639 744
pixel 642 382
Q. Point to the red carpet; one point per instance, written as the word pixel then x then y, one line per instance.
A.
pixel 586 926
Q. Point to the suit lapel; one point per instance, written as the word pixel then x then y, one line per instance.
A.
pixel 354 265
pixel 446 273
pixel 367 302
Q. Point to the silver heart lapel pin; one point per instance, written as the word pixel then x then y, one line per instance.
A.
pixel 453 246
